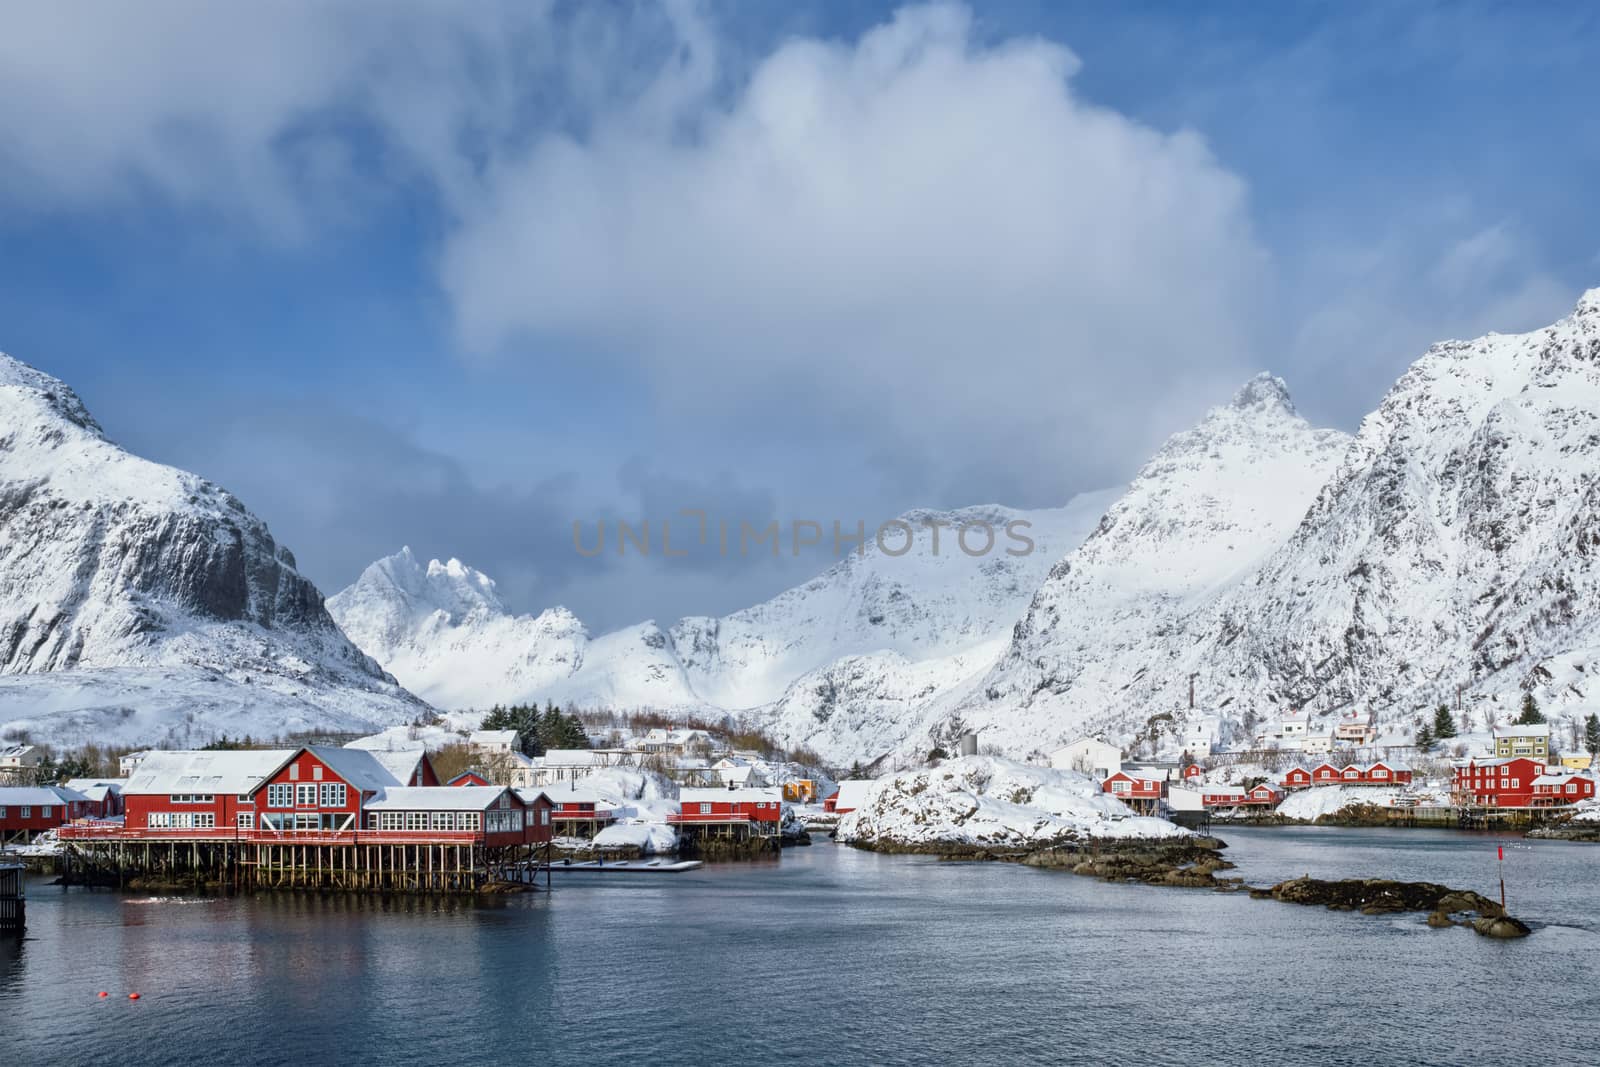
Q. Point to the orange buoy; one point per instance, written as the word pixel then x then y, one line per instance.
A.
pixel 133 996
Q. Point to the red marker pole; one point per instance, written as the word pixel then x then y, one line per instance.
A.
pixel 1501 850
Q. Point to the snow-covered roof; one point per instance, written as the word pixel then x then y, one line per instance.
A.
pixel 1143 774
pixel 493 737
pixel 1223 790
pixel 38 795
pixel 96 789
pixel 399 762
pixel 569 757
pixel 362 769
pixel 435 798
pixel 205 772
pixel 726 796
pixel 853 792
pixel 1541 729
pixel 560 794
pixel 1555 779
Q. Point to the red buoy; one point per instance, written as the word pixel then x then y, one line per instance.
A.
pixel 102 993
pixel 133 996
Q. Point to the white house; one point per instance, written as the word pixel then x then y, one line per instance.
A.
pixel 736 770
pixel 493 742
pixel 1200 736
pixel 1094 756
pixel 18 757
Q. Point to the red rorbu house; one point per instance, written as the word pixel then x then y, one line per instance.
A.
pixel 494 816
pixel 579 812
pixel 729 812
pixel 1557 790
pixel 1223 796
pixel 1140 790
pixel 1194 770
pixel 1498 783
pixel 1297 778
pixel 315 789
pixel 849 796
pixel 468 778
pixel 26 811
pixel 1326 774
pixel 1265 793
pixel 103 794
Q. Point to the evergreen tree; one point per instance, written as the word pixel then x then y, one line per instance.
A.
pixel 1591 734
pixel 1444 726
pixel 1531 715
pixel 1424 737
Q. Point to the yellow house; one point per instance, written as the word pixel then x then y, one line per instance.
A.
pixel 1578 761
pixel 801 790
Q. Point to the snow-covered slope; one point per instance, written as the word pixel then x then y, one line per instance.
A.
pixel 134 596
pixel 985 801
pixel 1203 513
pixel 934 619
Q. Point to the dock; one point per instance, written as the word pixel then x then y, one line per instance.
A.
pixel 13 897
pixel 622 867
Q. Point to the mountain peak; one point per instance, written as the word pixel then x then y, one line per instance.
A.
pixel 1265 391
pixel 1588 304
pixel 55 392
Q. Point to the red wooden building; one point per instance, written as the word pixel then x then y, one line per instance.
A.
pixel 103 794
pixel 1140 790
pixel 1223 796
pixel 1383 772
pixel 468 778
pixel 1497 783
pixel 1194 770
pixel 579 812
pixel 735 812
pixel 1554 790
pixel 1265 794
pixel 26 811
pixel 492 815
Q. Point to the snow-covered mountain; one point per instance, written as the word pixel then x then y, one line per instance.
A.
pixel 940 617
pixel 139 601
pixel 1454 543
pixel 1205 511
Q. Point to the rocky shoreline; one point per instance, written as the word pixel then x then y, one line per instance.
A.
pixel 1196 863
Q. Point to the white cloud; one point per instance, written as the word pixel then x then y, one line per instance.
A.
pixel 917 232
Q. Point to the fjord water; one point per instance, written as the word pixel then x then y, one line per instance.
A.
pixel 829 956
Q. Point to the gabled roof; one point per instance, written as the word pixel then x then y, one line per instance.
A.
pixel 436 798
pixel 1541 729
pixel 560 794
pixel 492 737
pixel 402 763
pixel 1141 774
pixel 360 768
pixel 727 796
pixel 96 789
pixel 38 796
pixel 238 771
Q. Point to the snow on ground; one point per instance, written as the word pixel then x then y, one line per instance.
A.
pixel 641 801
pixel 1322 800
pixel 987 800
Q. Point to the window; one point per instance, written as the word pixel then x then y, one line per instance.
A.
pixel 307 820
pixel 333 795
pixel 2 813
pixel 544 816
pixel 1572 787
pixel 468 820
pixel 1119 787
pixel 416 820
pixel 305 795
pixel 44 811
pixel 705 809
pixel 246 820
pixel 316 773
pixel 294 772
pixel 27 811
pixel 244 798
pixel 443 820
pixel 1379 772
pixel 280 795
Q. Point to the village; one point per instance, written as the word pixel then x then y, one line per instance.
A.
pixel 374 813
pixel 1510 775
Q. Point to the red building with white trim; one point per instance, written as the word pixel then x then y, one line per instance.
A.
pixel 735 811
pixel 26 811
pixel 1503 783
pixel 1142 791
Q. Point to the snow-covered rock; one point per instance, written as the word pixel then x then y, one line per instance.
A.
pixel 1317 801
pixel 142 602
pixel 986 801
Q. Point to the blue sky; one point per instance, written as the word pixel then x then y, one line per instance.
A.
pixel 455 277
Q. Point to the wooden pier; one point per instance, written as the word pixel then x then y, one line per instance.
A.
pixel 13 897
pixel 350 863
